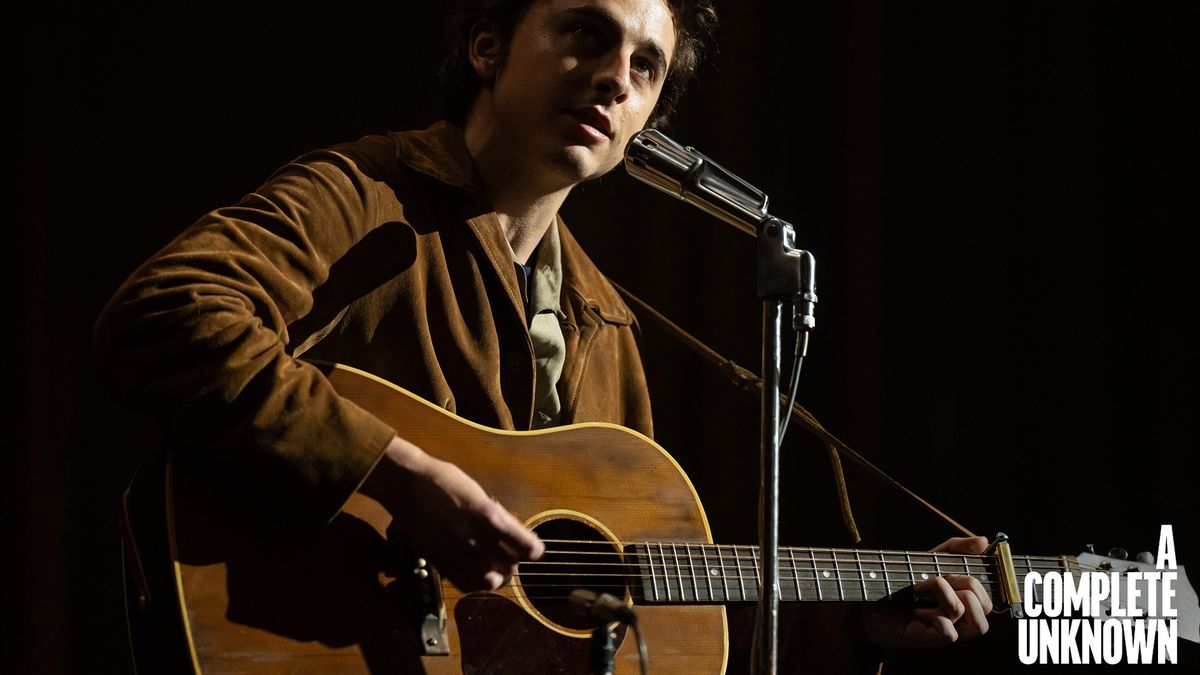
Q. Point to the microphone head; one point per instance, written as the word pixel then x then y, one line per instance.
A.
pixel 685 173
pixel 581 601
pixel 601 606
pixel 653 158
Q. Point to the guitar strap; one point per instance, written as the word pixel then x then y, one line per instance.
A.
pixel 747 381
pixel 312 340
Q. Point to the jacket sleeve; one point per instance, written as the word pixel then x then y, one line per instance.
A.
pixel 197 337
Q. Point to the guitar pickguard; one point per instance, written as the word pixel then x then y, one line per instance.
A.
pixel 489 626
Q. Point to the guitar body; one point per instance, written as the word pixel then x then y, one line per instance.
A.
pixel 251 597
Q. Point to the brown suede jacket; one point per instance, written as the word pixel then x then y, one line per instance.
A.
pixel 392 230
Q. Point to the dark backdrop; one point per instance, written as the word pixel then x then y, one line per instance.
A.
pixel 999 196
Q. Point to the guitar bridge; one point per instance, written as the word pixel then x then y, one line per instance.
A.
pixel 431 611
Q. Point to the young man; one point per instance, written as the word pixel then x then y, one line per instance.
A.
pixel 436 260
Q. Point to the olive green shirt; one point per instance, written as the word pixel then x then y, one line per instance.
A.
pixel 542 293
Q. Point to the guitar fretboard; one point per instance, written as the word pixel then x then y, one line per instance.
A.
pixel 706 573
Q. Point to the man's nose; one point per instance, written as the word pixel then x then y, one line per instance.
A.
pixel 612 76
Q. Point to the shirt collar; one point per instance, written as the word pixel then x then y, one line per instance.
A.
pixel 545 288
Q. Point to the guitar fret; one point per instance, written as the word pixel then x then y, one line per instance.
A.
pixel 937 566
pixel 757 574
pixel 795 573
pixel 725 578
pixel 981 576
pixel 911 574
pixel 707 572
pixel 679 573
pixel 692 569
pixel 650 564
pixel 874 587
pixel 812 553
pixel 740 577
pixel 666 572
pixel 837 573
pixel 887 582
pixel 862 574
pixel 678 568
pixel 924 560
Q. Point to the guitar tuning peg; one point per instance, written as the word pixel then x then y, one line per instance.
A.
pixel 1118 553
pixel 1089 548
pixel 1146 557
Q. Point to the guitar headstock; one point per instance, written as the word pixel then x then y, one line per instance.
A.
pixel 1185 600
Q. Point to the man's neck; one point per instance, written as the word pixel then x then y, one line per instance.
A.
pixel 525 206
pixel 525 220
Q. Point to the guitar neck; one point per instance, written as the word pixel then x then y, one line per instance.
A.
pixel 678 573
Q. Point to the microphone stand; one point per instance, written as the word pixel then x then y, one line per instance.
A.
pixel 784 273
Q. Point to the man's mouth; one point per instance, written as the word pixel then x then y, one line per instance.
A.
pixel 594 120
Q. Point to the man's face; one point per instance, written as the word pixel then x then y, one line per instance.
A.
pixel 581 77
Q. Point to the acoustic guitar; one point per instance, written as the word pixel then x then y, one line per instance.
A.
pixel 215 585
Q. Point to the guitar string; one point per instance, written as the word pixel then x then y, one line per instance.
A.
pixel 949 561
pixel 953 562
pixel 875 588
pixel 832 578
pixel 868 564
pixel 856 579
pixel 798 585
pixel 730 574
pixel 865 569
pixel 861 551
pixel 718 597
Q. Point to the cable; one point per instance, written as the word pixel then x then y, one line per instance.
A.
pixel 643 656
pixel 606 607
pixel 794 381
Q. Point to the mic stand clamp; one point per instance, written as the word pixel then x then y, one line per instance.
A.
pixel 784 274
pixel 603 650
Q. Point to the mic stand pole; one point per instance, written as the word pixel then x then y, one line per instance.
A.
pixel 783 274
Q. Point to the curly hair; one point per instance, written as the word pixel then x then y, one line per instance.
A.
pixel 695 21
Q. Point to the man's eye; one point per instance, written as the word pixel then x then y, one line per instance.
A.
pixel 645 68
pixel 584 32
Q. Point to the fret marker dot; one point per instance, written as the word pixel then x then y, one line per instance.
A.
pixel 924 575
pixel 872 575
pixel 715 572
pixel 826 573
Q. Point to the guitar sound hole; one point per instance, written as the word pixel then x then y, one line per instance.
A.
pixel 577 556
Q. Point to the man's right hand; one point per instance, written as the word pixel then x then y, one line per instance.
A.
pixel 447 517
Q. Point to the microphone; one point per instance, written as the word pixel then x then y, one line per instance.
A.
pixel 607 608
pixel 687 174
pixel 602 606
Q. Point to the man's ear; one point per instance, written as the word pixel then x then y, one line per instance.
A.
pixel 485 50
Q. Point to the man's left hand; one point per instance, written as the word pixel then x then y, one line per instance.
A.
pixel 961 612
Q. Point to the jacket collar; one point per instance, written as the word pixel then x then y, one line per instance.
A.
pixel 441 153
pixel 581 276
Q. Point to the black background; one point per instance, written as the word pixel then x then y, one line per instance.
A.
pixel 999 196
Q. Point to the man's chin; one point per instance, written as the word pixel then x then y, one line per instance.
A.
pixel 579 164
